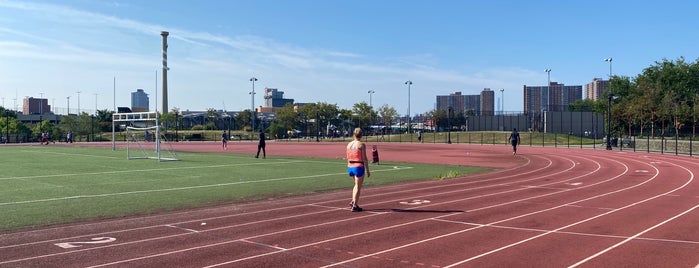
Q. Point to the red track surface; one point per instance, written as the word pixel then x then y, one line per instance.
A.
pixel 546 207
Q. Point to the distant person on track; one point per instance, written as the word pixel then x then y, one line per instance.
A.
pixel 514 140
pixel 224 140
pixel 261 146
pixel 357 165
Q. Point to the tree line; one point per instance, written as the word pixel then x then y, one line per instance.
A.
pixel 660 101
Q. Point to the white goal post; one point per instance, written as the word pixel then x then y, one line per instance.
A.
pixel 144 137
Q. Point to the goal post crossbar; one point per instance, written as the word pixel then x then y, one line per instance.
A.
pixel 132 117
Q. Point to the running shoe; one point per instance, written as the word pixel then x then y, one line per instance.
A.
pixel 356 209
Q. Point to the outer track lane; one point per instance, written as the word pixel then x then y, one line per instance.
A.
pixel 546 207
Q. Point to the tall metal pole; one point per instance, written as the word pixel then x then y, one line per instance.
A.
pixel 609 106
pixel 165 69
pixel 68 103
pixel 113 112
pixel 371 92
pixel 41 103
pixel 252 107
pixel 548 97
pixel 409 83
pixel 96 102
pixel 79 102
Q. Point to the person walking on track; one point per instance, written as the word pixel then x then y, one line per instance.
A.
pixel 224 140
pixel 514 140
pixel 261 146
pixel 357 165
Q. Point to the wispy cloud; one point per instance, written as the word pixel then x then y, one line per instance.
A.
pixel 114 43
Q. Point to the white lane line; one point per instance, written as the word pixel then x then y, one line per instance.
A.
pixel 181 188
pixel 230 226
pixel 165 237
pixel 644 231
pixel 182 228
pixel 584 221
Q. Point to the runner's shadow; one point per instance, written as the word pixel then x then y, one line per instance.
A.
pixel 414 210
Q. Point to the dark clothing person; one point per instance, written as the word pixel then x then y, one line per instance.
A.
pixel 261 146
pixel 514 140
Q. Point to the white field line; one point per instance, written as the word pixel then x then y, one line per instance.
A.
pixel 138 170
pixel 83 155
pixel 184 188
pixel 184 250
pixel 385 192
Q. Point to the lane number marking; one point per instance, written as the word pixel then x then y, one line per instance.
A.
pixel 415 202
pixel 96 240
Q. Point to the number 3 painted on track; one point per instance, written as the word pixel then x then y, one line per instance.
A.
pixel 415 202
pixel 96 240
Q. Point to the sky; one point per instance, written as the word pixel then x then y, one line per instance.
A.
pixel 332 51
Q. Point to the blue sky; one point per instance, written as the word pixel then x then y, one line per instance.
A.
pixel 329 51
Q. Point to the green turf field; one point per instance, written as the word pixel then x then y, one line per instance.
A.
pixel 44 185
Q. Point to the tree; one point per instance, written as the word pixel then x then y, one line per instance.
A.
pixel 242 119
pixel 362 113
pixel 286 120
pixel 387 114
pixel 211 115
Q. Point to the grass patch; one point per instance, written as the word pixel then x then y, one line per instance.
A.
pixel 45 185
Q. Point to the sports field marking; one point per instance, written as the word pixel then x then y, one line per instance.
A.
pixel 57 153
pixel 142 170
pixel 182 188
pixel 509 219
pixel 589 219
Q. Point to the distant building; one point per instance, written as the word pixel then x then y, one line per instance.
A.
pixel 275 98
pixel 487 102
pixel 139 101
pixel 595 89
pixel 35 106
pixel 482 104
pixel 555 97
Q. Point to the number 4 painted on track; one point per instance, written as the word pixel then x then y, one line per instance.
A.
pixel 96 240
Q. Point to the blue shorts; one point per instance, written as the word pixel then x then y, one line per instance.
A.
pixel 355 171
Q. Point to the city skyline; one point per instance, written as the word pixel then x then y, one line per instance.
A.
pixel 332 52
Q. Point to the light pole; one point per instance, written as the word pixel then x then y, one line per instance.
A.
pixel 68 103
pixel 609 122
pixel 41 103
pixel 79 102
pixel 252 107
pixel 96 102
pixel 609 105
pixel 371 105
pixel 548 96
pixel 449 121
pixel 409 83
pixel 610 67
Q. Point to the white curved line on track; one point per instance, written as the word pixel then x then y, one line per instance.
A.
pixel 307 227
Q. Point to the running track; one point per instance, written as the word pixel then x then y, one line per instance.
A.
pixel 546 207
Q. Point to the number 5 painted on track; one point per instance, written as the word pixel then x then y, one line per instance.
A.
pixel 96 240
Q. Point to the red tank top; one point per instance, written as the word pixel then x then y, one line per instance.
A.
pixel 354 155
